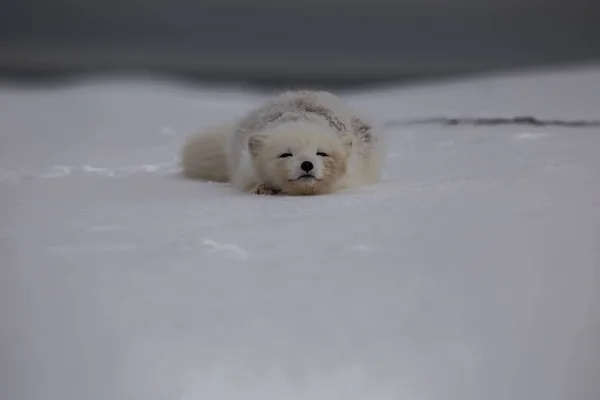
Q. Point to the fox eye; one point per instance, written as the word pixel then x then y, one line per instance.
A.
pixel 321 154
pixel 285 155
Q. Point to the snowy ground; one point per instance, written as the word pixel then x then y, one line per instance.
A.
pixel 471 273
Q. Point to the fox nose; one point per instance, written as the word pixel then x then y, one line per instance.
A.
pixel 306 166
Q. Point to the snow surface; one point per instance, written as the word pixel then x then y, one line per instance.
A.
pixel 470 273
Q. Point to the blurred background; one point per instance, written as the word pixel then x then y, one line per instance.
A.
pixel 293 43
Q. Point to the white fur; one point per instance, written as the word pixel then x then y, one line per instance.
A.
pixel 306 121
pixel 203 156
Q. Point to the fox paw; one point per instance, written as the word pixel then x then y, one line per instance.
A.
pixel 266 190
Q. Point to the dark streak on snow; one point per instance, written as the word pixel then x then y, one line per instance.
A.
pixel 518 120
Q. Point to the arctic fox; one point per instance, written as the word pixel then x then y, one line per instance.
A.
pixel 297 143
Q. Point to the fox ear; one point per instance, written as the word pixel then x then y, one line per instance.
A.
pixel 255 141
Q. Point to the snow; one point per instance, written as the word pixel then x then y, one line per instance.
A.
pixel 471 272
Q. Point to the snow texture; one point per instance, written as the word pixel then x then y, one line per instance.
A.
pixel 472 272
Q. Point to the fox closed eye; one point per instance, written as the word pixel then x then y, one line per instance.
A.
pixel 285 155
pixel 321 154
